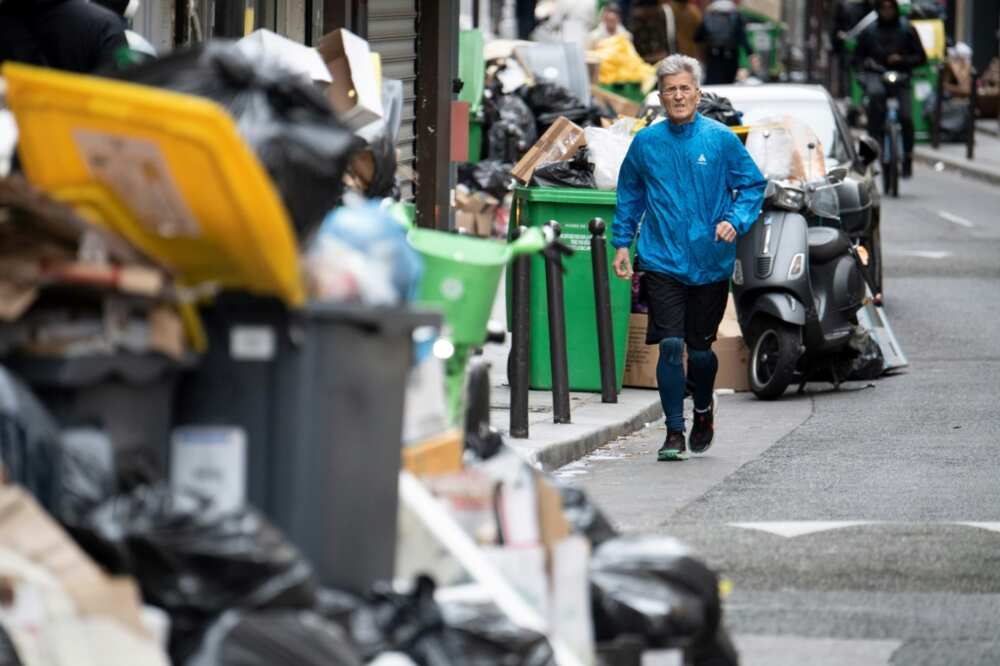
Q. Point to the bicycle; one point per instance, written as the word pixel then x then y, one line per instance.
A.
pixel 892 129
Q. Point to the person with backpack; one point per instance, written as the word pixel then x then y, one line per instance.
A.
pixel 72 35
pixel 723 32
pixel 891 43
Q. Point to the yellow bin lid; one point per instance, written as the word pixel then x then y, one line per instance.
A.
pixel 167 171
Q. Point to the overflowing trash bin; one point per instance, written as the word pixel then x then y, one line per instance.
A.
pixel 208 344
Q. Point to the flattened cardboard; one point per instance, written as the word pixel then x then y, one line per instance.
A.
pixel 560 142
pixel 26 529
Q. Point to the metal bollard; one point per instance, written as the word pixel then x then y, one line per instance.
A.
pixel 519 361
pixel 557 333
pixel 970 140
pixel 602 306
pixel 938 102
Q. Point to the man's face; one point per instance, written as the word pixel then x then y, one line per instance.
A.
pixel 680 95
pixel 887 11
pixel 611 21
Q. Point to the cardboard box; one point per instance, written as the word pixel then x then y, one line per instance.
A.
pixel 732 352
pixel 640 358
pixel 560 142
pixel 474 212
pixel 27 530
pixel 438 455
pixel 623 106
pixel 354 93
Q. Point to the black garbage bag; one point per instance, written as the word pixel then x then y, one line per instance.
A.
pixel 285 119
pixel 29 440
pixel 550 101
pixel 584 517
pixel 655 588
pixel 275 637
pixel 509 126
pixel 955 117
pixel 443 635
pixel 383 146
pixel 577 171
pixel 870 362
pixel 195 562
pixel 86 474
pixel 549 97
pixel 490 176
pixel 719 108
pixel 8 654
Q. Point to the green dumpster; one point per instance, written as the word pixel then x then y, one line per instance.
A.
pixel 472 72
pixel 631 90
pixel 572 209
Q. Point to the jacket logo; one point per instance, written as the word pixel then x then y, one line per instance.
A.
pixel 701 159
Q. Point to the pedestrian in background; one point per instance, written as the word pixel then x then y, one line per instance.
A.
pixel 695 188
pixel 609 25
pixel 723 33
pixel 687 19
pixel 73 35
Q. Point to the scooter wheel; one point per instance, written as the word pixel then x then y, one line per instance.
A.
pixel 773 354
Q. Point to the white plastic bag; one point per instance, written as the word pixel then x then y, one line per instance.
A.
pixel 606 151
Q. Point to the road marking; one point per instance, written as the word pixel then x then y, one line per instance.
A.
pixel 790 529
pixel 927 254
pixel 795 528
pixel 955 219
pixel 993 527
pixel 797 650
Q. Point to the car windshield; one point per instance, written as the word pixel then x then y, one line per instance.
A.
pixel 816 114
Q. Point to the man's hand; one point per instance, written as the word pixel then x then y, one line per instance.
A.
pixel 623 263
pixel 725 231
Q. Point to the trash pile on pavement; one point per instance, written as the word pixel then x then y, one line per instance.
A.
pixel 212 348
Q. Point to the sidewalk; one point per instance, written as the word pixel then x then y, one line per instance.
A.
pixel 593 423
pixel 985 164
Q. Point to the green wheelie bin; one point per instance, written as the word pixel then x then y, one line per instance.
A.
pixel 573 209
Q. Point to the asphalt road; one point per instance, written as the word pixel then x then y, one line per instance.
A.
pixel 860 526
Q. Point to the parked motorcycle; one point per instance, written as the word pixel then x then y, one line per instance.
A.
pixel 798 280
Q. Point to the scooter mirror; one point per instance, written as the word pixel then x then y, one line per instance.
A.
pixel 837 174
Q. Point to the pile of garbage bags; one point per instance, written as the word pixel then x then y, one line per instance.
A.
pixel 285 119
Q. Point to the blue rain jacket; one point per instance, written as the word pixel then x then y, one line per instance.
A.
pixel 685 179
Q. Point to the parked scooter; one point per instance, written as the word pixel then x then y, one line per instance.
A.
pixel 798 287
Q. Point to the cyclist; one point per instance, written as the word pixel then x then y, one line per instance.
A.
pixel 890 43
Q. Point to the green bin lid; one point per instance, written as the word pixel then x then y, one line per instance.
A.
pixel 566 195
pixel 471 68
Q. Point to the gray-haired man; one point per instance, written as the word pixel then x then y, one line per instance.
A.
pixel 695 188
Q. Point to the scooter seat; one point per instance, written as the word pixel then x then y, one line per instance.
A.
pixel 826 243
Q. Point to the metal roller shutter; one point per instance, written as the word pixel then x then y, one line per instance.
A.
pixel 392 33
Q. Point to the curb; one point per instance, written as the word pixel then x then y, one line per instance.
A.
pixel 931 158
pixel 557 454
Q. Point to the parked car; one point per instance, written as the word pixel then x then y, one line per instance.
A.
pixel 860 202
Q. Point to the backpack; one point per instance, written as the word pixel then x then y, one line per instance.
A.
pixel 722 30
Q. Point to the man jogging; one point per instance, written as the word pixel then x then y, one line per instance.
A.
pixel 694 188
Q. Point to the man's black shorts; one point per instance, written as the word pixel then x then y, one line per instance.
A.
pixel 678 310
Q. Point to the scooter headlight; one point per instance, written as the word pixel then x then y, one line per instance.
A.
pixel 789 198
pixel 738 272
